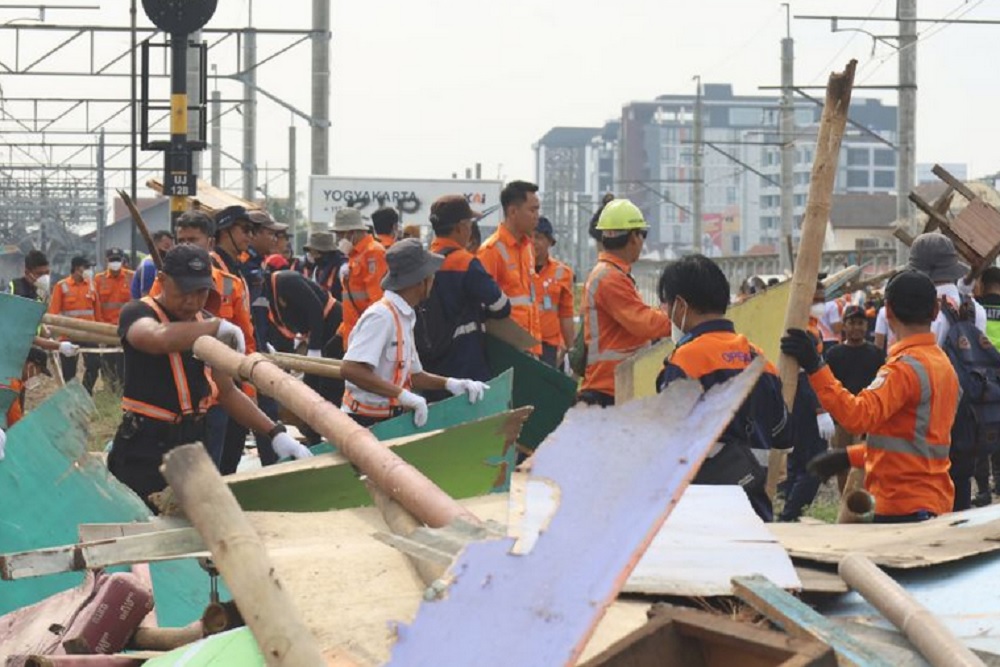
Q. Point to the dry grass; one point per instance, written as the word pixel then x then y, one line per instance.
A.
pixel 105 419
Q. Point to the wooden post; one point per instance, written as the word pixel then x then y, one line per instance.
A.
pixel 81 336
pixel 308 365
pixel 241 558
pixel 932 638
pixel 100 328
pixel 824 173
pixel 404 483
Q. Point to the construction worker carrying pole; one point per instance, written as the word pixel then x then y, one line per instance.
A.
pixel 381 364
pixel 616 321
pixel 907 411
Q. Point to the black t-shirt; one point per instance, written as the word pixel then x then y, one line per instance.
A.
pixel 300 304
pixel 855 365
pixel 21 287
pixel 148 377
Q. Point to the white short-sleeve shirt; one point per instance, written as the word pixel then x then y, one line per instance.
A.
pixel 941 326
pixel 373 342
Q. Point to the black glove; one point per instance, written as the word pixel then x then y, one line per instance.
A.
pixel 800 345
pixel 828 464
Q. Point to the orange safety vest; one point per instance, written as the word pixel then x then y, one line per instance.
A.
pixel 366 267
pixel 386 240
pixel 616 322
pixel 112 293
pixel 14 412
pixel 275 317
pixel 400 377
pixel 73 299
pixel 554 296
pixel 511 262
pixel 184 399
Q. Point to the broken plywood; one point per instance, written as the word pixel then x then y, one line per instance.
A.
pixel 944 539
pixel 618 473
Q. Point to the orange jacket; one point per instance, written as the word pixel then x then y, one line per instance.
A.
pixel 386 240
pixel 15 411
pixel 554 298
pixel 366 267
pixel 616 322
pixel 908 412
pixel 74 299
pixel 511 262
pixel 233 305
pixel 113 292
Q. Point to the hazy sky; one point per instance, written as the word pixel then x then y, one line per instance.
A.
pixel 423 88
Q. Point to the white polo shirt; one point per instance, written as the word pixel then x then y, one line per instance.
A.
pixel 941 326
pixel 373 342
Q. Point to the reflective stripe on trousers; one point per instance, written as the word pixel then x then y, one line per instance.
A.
pixel 918 445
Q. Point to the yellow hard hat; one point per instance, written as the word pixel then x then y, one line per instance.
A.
pixel 621 215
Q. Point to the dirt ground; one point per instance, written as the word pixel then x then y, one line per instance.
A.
pixel 104 421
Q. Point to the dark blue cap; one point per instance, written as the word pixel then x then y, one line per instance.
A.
pixel 229 216
pixel 545 227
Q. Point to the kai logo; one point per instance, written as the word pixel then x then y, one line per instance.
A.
pixel 475 198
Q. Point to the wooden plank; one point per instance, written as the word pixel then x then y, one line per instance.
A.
pixel 141 548
pixel 659 442
pixel 944 539
pixel 800 620
pixel 815 580
pixel 94 532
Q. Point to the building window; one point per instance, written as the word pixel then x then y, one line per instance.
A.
pixel 857 157
pixel 857 179
pixel 885 179
pixel 800 200
pixel 741 116
pixel 885 158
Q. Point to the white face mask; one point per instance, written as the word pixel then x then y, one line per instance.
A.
pixel 677 330
pixel 88 274
pixel 43 283
pixel 115 266
pixel 818 310
pixel 345 246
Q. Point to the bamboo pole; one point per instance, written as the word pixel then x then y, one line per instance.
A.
pixel 928 634
pixel 824 173
pixel 166 639
pixel 81 336
pixel 241 558
pixel 305 365
pixel 856 504
pixel 100 328
pixel 291 355
pixel 400 480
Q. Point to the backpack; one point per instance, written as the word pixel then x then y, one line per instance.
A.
pixel 434 330
pixel 977 363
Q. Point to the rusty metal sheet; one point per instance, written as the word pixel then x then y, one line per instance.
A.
pixel 616 473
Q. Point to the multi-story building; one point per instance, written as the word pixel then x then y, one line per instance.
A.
pixel 649 157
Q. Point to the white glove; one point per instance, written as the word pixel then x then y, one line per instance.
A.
pixel 270 348
pixel 474 389
pixel 231 335
pixel 825 424
pixel 566 366
pixel 314 353
pixel 416 403
pixel 68 349
pixel 964 288
pixel 3 442
pixel 286 446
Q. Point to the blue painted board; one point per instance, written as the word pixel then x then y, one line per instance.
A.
pixel 20 318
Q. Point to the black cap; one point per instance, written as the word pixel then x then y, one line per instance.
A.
pixel 79 261
pixel 229 216
pixel 854 311
pixel 189 266
pixel 545 227
pixel 115 254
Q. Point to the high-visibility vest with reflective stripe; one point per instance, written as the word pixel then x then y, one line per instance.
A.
pixel 184 398
pixel 362 283
pixel 400 376
pixel 113 292
pixel 76 300
pixel 554 286
pixel 515 274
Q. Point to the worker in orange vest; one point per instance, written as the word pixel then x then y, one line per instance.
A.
pixel 386 223
pixel 907 411
pixel 616 322
pixel 74 296
pixel 365 268
pixel 113 288
pixel 554 297
pixel 508 255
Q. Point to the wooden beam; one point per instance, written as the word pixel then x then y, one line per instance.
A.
pixel 163 545
pixel 800 620
pixel 956 184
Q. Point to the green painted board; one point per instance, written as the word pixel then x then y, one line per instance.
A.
pixel 235 648
pixel 49 485
pixel 20 319
pixel 444 414
pixel 549 391
pixel 464 460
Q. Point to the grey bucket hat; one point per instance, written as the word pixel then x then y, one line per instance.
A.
pixel 409 264
pixel 349 220
pixel 321 242
pixel 934 255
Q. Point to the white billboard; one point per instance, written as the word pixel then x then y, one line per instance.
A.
pixel 411 197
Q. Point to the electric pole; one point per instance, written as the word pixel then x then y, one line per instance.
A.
pixel 699 179
pixel 906 13
pixel 787 147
